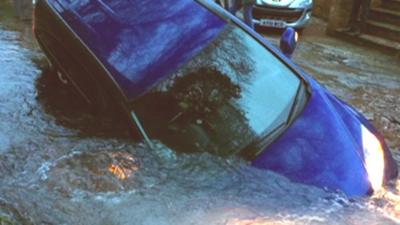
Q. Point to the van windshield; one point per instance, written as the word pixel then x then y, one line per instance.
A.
pixel 231 94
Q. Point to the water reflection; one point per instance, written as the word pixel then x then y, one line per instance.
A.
pixel 124 165
pixel 94 171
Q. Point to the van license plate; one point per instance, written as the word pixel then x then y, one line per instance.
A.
pixel 273 23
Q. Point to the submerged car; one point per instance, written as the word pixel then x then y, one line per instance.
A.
pixel 279 13
pixel 189 74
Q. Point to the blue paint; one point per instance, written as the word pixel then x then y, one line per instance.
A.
pixel 322 148
pixel 141 42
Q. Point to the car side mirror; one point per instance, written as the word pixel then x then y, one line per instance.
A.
pixel 288 41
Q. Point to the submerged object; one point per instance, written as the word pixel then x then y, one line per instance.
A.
pixel 191 75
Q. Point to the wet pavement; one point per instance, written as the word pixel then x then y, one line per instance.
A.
pixel 367 79
pixel 60 165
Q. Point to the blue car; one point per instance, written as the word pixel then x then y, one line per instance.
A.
pixel 190 75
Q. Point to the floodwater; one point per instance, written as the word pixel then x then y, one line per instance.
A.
pixel 59 164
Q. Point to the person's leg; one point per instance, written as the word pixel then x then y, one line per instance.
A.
pixel 355 14
pixel 234 6
pixel 225 4
pixel 248 15
pixel 364 13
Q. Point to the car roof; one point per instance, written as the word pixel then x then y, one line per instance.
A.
pixel 141 42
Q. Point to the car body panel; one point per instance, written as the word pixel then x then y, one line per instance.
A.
pixel 319 149
pixel 322 146
pixel 136 48
pixel 280 3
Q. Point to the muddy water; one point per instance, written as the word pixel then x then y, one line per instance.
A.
pixel 60 165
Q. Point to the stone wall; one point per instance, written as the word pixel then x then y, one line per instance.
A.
pixel 23 9
pixel 322 8
pixel 339 15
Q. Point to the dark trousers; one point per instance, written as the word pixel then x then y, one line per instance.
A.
pixel 360 11
pixel 247 11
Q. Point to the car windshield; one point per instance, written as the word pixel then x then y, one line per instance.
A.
pixel 233 93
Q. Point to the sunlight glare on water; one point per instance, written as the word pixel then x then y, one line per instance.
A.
pixel 123 165
pixel 387 202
